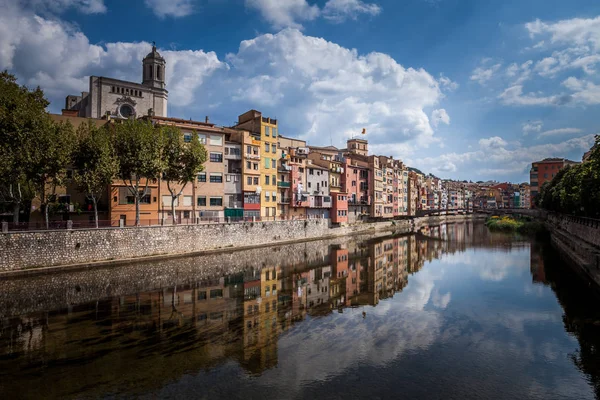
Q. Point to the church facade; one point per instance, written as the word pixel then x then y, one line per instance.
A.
pixel 116 99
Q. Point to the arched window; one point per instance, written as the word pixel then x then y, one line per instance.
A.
pixel 158 71
pixel 150 75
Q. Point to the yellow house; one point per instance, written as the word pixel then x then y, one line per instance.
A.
pixel 267 128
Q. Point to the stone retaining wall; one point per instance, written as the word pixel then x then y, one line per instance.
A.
pixel 26 250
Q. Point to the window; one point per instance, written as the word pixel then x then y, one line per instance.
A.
pixel 187 201
pixel 216 177
pixel 267 180
pixel 274 132
pixel 216 157
pixel 267 147
pixel 187 137
pixel 202 295
pixel 353 183
pixel 274 196
pixel 255 166
pixel 216 293
pixel 166 200
pixel 249 180
pixel 216 201
pixel 273 163
pixel 202 138
pixel 267 163
pixel 311 171
pixel 274 179
pixel 267 130
pixel 216 140
pixel 201 201
pixel 273 149
pixel 248 149
pixel 545 175
pixel 248 165
pixel 267 196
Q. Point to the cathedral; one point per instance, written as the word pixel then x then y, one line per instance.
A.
pixel 116 99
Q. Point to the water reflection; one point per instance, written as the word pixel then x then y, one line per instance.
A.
pixel 292 318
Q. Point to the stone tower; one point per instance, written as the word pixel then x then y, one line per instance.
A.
pixel 154 70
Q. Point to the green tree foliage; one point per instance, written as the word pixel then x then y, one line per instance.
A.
pixel 575 189
pixel 95 162
pixel 138 146
pixel 48 156
pixel 23 118
pixel 183 161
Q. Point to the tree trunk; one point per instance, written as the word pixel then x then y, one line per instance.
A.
pixel 95 210
pixel 46 216
pixel 16 209
pixel 137 201
pixel 173 208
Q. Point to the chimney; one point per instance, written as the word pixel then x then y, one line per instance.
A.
pixel 206 119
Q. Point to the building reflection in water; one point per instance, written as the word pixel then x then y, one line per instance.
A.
pixel 121 341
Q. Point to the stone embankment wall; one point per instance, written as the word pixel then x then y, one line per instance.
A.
pixel 65 287
pixel 26 250
pixel 579 240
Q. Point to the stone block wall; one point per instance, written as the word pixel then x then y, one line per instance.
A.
pixel 585 229
pixel 41 249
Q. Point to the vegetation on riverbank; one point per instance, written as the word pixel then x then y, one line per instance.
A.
pixel 523 225
pixel 575 190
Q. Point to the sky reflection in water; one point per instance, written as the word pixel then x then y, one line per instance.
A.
pixel 457 313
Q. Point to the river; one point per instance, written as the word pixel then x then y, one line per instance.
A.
pixel 455 312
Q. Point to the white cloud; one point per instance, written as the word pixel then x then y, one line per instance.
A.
pixel 447 83
pixel 439 116
pixel 557 132
pixel 291 13
pixel 514 96
pixel 483 75
pixel 55 56
pixel 492 143
pixel 318 89
pixel 340 10
pixel 285 13
pixel 533 126
pixel 576 31
pixel 502 159
pixel 584 92
pixel 323 88
pixel 60 6
pixel 170 8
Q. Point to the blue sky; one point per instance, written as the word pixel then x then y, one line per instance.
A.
pixel 463 89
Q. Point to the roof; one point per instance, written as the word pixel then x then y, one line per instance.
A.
pixel 315 166
pixel 184 121
pixel 154 54
pixel 77 121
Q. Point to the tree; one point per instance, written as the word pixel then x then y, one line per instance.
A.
pixel 95 162
pixel 183 161
pixel 23 117
pixel 138 146
pixel 48 155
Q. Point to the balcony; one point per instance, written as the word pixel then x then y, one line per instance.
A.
pixel 284 200
pixel 284 184
pixel 253 156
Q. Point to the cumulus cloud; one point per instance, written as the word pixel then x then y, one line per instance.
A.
pixel 170 8
pixel 532 126
pixel 55 56
pixel 291 13
pixel 320 90
pixel 340 10
pixel 285 13
pixel 482 74
pixel 439 117
pixel 492 143
pixel 503 159
pixel 566 45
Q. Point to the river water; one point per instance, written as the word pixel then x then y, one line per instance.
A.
pixel 455 312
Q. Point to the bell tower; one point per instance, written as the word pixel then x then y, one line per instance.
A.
pixel 154 69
